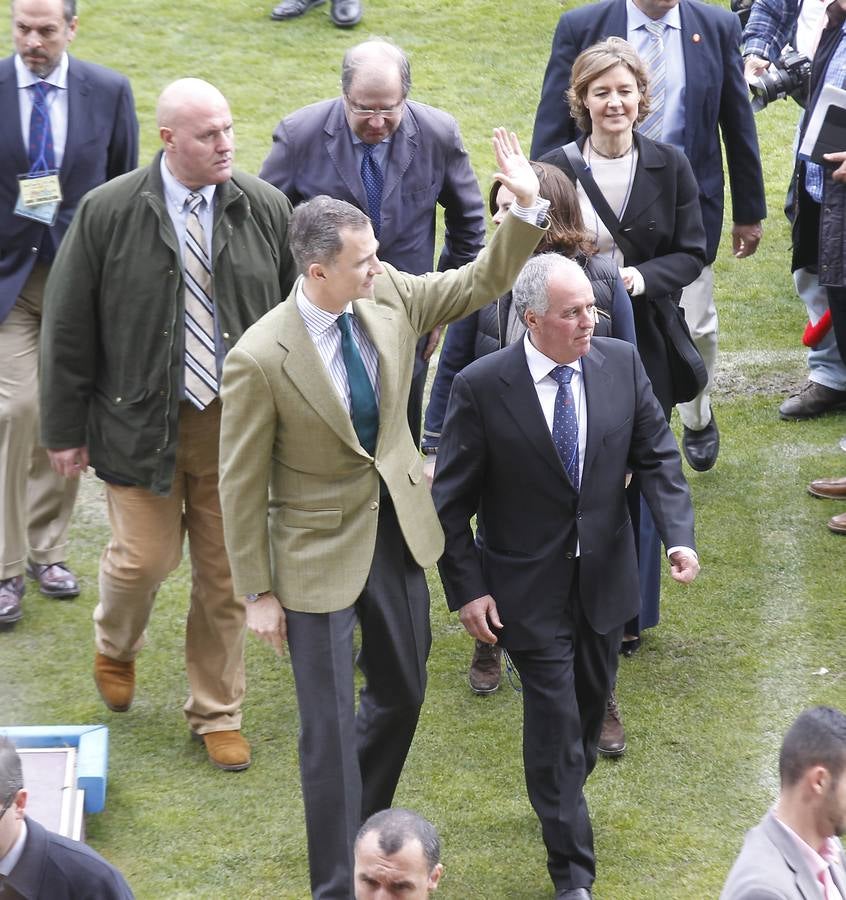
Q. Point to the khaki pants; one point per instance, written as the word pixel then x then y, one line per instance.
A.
pixel 35 503
pixel 146 546
pixel 700 313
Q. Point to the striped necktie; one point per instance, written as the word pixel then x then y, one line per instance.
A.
pixel 371 176
pixel 653 125
pixel 565 424
pixel 201 384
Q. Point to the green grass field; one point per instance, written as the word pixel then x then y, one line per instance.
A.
pixel 736 656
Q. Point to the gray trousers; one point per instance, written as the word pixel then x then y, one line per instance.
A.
pixel 351 761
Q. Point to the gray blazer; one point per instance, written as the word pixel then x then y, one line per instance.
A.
pixel 313 154
pixel 770 867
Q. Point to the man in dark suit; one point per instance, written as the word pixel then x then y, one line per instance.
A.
pixel 75 119
pixel 393 158
pixel 705 96
pixel 538 438
pixel 795 851
pixel 36 863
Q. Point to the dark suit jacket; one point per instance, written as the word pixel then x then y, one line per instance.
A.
pixel 771 867
pixel 664 222
pixel 52 867
pixel 716 99
pixel 313 154
pixel 102 142
pixel 496 455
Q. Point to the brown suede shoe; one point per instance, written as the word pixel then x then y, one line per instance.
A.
pixel 612 740
pixel 485 669
pixel 828 488
pixel 115 681
pixel 227 750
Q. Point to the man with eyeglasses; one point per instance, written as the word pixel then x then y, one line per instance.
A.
pixel 39 864
pixel 395 159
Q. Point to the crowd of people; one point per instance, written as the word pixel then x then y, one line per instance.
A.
pixel 253 379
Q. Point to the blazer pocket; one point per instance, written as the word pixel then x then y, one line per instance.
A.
pixel 313 519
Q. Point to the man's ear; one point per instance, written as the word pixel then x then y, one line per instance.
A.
pixel 20 803
pixel 435 876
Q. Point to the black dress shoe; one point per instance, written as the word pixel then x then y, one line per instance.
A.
pixel 574 894
pixel 701 447
pixel 346 13
pixel 290 9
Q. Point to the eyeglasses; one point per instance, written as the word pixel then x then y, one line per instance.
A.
pixel 364 113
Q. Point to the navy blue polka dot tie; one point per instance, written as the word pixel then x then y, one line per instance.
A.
pixel 371 176
pixel 565 425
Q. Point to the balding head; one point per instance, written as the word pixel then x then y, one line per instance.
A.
pixel 195 126
pixel 375 80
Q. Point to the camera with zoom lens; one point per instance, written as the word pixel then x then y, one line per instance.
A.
pixel 788 76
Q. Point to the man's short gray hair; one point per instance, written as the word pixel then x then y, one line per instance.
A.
pixel 395 827
pixel 68 9
pixel 362 57
pixel 531 289
pixel 11 771
pixel 314 233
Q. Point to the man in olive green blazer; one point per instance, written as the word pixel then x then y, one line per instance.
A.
pixel 327 515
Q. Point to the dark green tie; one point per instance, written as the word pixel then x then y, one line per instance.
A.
pixel 363 408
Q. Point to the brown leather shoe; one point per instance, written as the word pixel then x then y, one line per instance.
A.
pixel 812 400
pixel 486 668
pixel 227 750
pixel 55 580
pixel 612 740
pixel 115 680
pixel 838 523
pixel 828 488
pixel 11 591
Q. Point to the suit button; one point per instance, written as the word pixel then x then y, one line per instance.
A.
pixel 226 335
pixel 34 249
pixel 569 555
pixel 374 505
pixel 579 514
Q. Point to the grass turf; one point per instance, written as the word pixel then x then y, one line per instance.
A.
pixel 735 657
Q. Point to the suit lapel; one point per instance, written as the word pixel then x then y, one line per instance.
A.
pixel 378 322
pixel 12 147
pixel 647 184
pixel 520 400
pixel 403 148
pixel 694 64
pixel 598 387
pixel 806 884
pixel 305 368
pixel 80 109
pixel 339 146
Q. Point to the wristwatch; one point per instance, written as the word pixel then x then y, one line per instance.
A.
pixel 251 598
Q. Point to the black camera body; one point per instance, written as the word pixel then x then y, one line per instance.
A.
pixel 788 76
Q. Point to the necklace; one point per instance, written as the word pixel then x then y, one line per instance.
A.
pixel 598 152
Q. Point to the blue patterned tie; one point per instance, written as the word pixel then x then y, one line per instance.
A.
pixel 371 176
pixel 363 409
pixel 41 155
pixel 565 425
pixel 653 125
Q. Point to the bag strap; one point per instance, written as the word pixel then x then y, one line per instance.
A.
pixel 596 197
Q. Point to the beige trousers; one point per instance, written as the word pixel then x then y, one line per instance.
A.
pixel 146 546
pixel 700 313
pixel 35 503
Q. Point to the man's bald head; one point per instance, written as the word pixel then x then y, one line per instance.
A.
pixel 368 63
pixel 195 126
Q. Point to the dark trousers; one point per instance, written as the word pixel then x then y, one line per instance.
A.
pixel 565 688
pixel 350 762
